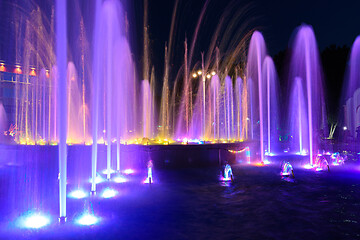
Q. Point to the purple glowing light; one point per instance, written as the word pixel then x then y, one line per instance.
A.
pixel 34 221
pixel 228 179
pixel 266 162
pixel 98 179
pixel 270 154
pixel 308 166
pixel 120 179
pixel 109 193
pixel 87 220
pixel 129 171
pixel 302 153
pixel 78 194
pixel 105 171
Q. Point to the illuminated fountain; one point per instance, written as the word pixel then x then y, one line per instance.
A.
pixel 272 116
pixel 210 102
pixel 114 87
pixel 228 174
pixel 75 122
pixel 148 108
pixel 351 90
pixel 297 119
pixel 3 124
pixel 321 164
pixel 61 56
pixel 337 159
pixel 149 179
pixel 108 104
pixel 305 68
pixel 256 56
pixel 287 170
pixel 215 106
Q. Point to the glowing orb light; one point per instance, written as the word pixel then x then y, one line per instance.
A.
pixel 128 171
pixel 266 162
pixel 35 221
pixel 108 193
pixel 87 220
pixel 269 154
pixel 78 194
pixel 98 179
pixel 106 171
pixel 308 166
pixel 120 179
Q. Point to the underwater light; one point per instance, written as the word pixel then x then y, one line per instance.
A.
pixel 87 220
pixel 120 179
pixel 308 166
pixel 269 154
pixel 108 193
pixel 98 179
pixel 302 153
pixel 106 171
pixel 36 221
pixel 129 171
pixel 266 162
pixel 78 194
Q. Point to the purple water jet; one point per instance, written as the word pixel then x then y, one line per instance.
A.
pixel 271 80
pixel 351 91
pixel 305 64
pixel 256 56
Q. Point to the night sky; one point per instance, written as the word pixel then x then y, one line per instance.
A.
pixel 334 22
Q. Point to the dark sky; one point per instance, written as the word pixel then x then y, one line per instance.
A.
pixel 335 22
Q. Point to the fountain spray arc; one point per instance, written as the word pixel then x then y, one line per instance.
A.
pixel 305 65
pixel 256 56
pixel 61 54
pixel 114 86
